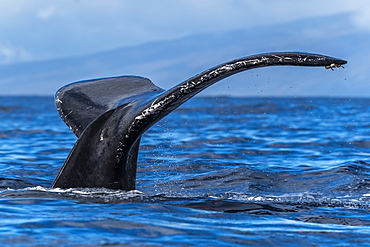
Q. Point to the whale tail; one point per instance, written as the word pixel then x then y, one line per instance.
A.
pixel 110 115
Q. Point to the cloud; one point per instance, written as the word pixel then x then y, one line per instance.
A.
pixel 44 29
pixel 46 13
pixel 362 16
pixel 8 54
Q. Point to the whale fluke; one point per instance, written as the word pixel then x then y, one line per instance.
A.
pixel 110 115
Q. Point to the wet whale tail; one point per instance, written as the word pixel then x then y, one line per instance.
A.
pixel 110 115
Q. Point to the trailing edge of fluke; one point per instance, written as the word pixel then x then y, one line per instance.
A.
pixel 110 115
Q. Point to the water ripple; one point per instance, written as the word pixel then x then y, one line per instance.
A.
pixel 217 171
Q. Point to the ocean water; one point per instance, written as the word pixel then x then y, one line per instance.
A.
pixel 216 172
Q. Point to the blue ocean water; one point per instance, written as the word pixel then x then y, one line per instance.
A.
pixel 217 171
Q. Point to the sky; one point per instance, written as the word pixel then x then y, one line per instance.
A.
pixel 33 30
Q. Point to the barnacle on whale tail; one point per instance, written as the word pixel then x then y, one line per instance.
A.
pixel 333 66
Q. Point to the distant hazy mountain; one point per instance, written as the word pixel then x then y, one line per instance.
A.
pixel 167 63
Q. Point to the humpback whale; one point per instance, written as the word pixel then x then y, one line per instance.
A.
pixel 110 115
